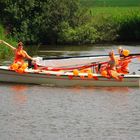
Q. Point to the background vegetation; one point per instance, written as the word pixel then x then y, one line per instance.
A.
pixel 5 52
pixel 71 21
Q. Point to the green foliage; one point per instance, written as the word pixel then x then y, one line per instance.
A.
pixel 129 29
pixel 106 28
pixel 5 52
pixel 67 22
pixel 21 18
pixel 117 24
pixel 38 20
pixel 85 34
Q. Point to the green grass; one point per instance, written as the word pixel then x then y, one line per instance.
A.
pixel 115 11
pixel 110 3
pixel 124 21
pixel 113 8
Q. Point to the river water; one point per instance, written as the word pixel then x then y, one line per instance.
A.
pixel 36 112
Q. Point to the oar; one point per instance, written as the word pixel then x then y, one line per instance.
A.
pixel 82 56
pixel 88 65
pixel 134 54
pixel 68 57
pixel 4 42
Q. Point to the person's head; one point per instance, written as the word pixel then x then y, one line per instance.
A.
pixel 120 50
pixel 20 45
pixel 111 54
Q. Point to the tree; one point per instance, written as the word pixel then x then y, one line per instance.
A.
pixel 39 20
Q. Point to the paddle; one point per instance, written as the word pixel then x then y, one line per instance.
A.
pixel 88 65
pixel 68 57
pixel 82 56
pixel 4 42
pixel 134 54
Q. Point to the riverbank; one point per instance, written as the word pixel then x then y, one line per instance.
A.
pixel 110 3
pixel 89 24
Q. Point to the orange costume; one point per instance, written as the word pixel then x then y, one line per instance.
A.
pixel 123 66
pixel 125 59
pixel 19 56
pixel 109 70
pixel 19 65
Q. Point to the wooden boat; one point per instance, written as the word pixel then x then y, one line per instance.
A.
pixel 61 78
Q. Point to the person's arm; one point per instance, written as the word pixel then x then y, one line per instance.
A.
pixel 28 56
pixel 2 41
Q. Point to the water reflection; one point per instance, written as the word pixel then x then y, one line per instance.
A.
pixel 19 96
pixel 120 90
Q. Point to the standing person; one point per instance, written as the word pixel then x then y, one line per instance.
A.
pixel 20 54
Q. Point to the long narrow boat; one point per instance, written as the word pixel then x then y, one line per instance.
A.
pixel 61 78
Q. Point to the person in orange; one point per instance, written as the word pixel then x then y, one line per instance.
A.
pixel 109 70
pixel 20 54
pixel 112 66
pixel 125 59
pixel 113 61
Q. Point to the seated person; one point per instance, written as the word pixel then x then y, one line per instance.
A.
pixel 125 59
pixel 20 56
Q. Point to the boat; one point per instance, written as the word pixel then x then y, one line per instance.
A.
pixel 65 78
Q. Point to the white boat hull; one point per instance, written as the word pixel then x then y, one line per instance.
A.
pixel 65 79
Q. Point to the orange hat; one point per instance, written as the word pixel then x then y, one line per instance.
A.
pixel 126 52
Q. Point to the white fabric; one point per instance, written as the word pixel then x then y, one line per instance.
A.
pixel 69 62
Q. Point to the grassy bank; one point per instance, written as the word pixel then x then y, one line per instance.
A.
pixel 113 20
pixel 5 52
pixel 108 21
pixel 107 25
pixel 121 23
pixel 114 11
pixel 110 3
